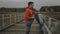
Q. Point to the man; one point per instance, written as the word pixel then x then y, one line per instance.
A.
pixel 29 16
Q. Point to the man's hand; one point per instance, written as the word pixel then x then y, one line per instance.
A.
pixel 37 12
pixel 32 17
pixel 25 22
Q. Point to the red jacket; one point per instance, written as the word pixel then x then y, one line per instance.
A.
pixel 28 13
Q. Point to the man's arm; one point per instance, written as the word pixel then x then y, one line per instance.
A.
pixel 37 12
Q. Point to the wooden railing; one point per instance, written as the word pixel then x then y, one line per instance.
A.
pixel 51 25
pixel 7 20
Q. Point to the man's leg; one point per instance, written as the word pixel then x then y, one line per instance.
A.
pixel 40 23
pixel 28 26
pixel 38 20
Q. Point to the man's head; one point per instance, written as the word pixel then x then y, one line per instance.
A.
pixel 31 4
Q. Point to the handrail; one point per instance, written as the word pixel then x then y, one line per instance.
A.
pixel 45 28
pixel 12 19
pixel 52 18
pixel 49 23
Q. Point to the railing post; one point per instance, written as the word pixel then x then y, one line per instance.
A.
pixel 49 23
pixel 10 19
pixel 15 18
pixel 3 25
pixel 44 29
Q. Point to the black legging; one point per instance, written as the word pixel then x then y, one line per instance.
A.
pixel 38 20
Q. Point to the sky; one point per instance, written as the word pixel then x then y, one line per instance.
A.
pixel 23 3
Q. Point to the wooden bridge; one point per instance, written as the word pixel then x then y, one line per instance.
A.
pixel 13 24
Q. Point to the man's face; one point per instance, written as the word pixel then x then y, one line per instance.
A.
pixel 32 5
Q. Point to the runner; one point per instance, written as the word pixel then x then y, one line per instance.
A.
pixel 28 16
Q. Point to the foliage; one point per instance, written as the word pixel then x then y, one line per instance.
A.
pixel 12 9
pixel 54 8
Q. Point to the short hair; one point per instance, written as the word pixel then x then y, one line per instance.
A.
pixel 29 3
